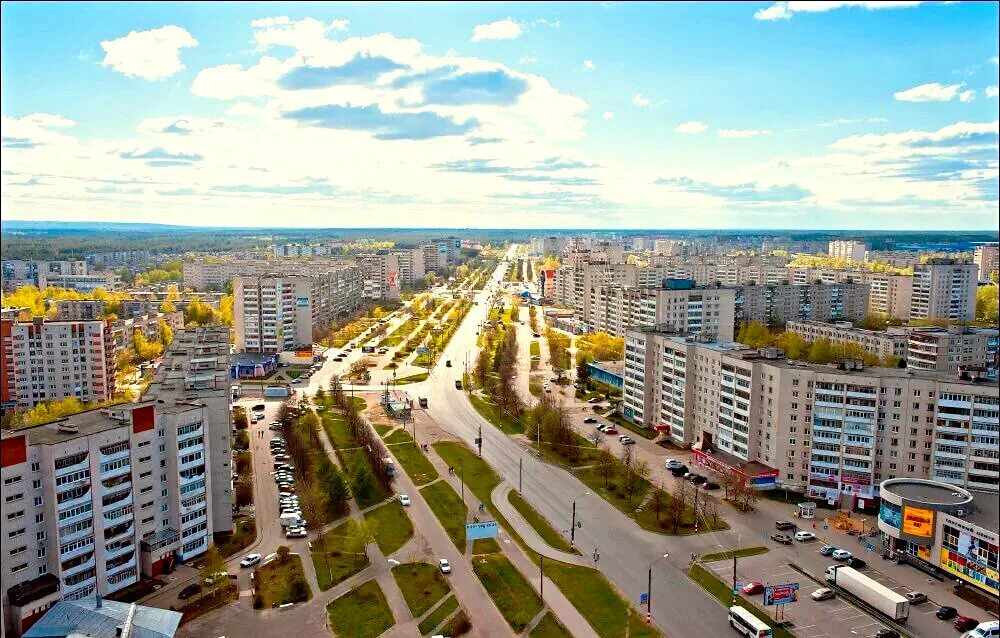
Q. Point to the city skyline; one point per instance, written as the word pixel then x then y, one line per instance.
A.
pixel 787 115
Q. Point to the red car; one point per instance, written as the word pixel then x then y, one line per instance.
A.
pixel 964 623
pixel 752 588
pixel 610 431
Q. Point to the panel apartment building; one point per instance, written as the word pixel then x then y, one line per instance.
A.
pixel 679 305
pixel 848 249
pixel 380 275
pixel 214 275
pixel 96 499
pixel 45 360
pixel 279 312
pixel 776 304
pixel 25 272
pixel 832 432
pixel 987 259
pixel 944 289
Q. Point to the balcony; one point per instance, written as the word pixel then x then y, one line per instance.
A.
pixel 122 580
pixel 83 566
pixel 119 532
pixel 118 548
pixel 116 471
pixel 193 504
pixel 115 487
pixel 76 518
pixel 81 589
pixel 81 464
pixel 117 500
pixel 827 464
pixel 79 551
pixel 73 502
pixel 194 550
pixel 129 564
pixel 115 455
pixel 187 477
pixel 65 487
pixel 114 516
pixel 950 403
pixel 195 521
pixel 196 462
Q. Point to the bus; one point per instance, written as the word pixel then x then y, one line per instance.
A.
pixel 746 624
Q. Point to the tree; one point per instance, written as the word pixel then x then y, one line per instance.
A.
pixel 582 369
pixel 657 501
pixel 820 351
pixel 792 343
pixel 212 564
pixel 360 534
pixel 987 304
pixel 283 552
pixel 244 493
pixel 166 333
pixel 145 350
pixel 168 306
pixel 605 463
pixel 312 499
pixel 362 482
pixel 754 334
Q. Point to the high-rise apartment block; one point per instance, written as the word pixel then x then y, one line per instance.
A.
pixel 21 272
pixel 775 304
pixel 79 309
pixel 51 360
pixel 118 258
pixel 948 350
pixel 834 432
pixel 279 312
pixel 95 499
pixel 848 249
pixel 678 305
pixel 944 289
pixel 987 260
pixel 881 343
pixel 411 265
pixel 213 275
pixel 380 274
pixel 889 295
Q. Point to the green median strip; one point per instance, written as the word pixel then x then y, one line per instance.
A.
pixel 496 416
pixel 548 533
pixel 427 625
pixel 449 509
pixel 740 553
pixel 513 594
pixel 549 627
pixel 721 591
pixel 336 556
pixel 422 586
pixel 362 612
pixel 411 458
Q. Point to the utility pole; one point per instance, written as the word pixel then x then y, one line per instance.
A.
pixel 480 441
pixel 520 475
pixel 649 594
pixel 541 577
pixel 461 475
pixel 572 526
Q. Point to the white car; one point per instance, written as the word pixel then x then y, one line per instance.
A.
pixel 672 464
pixel 841 554
pixel 404 500
pixel 805 536
pixel 822 594
pixel 445 566
pixel 296 532
pixel 250 560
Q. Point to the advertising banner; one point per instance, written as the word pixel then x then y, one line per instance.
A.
pixel 891 514
pixel 781 594
pixel 918 522
pixel 481 530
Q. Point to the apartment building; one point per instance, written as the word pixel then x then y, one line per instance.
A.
pixel 987 260
pixel 96 499
pixel 944 289
pixel 677 305
pixel 303 250
pixel 214 275
pixel 881 343
pixel 776 304
pixel 834 432
pixel 573 283
pixel 889 295
pixel 671 247
pixel 279 312
pixel 79 309
pixel 114 259
pixel 550 245
pixel 848 249
pixel 411 265
pixel 948 350
pixel 149 325
pixel 25 272
pixel 380 274
pixel 103 279
pixel 50 360
pixel 441 253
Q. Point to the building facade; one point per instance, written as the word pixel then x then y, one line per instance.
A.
pixel 987 260
pixel 848 249
pixel 881 343
pixel 776 304
pixel 381 276
pixel 944 289
pixel 681 306
pixel 949 350
pixel 103 279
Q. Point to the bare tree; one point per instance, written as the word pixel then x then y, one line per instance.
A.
pixel 710 508
pixel 675 509
pixel 605 463
pixel 657 501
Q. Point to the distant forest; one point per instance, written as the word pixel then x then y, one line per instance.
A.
pixel 64 240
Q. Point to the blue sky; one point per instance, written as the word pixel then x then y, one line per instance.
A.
pixel 788 115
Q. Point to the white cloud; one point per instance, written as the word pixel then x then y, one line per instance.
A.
pixel 505 29
pixel 588 65
pixel 151 55
pixel 966 96
pixel 608 115
pixel 691 128
pixel 742 133
pixel 785 10
pixel 957 134
pixel 283 31
pixel 992 91
pixel 640 100
pixel 851 120
pixel 933 92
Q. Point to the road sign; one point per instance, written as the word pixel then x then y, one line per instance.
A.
pixel 869 547
pixel 644 598
pixel 488 529
pixel 781 594
pixel 826 527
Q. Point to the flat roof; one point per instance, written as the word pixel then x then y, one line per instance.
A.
pixel 985 510
pixel 87 423
pixel 925 491
pixel 611 367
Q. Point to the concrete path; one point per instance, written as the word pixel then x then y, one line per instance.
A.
pixel 527 532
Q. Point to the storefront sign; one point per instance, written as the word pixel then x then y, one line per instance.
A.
pixel 918 522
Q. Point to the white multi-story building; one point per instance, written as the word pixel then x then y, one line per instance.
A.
pixel 881 343
pixel 411 265
pixel 441 253
pixel 51 360
pixel 944 289
pixel 833 431
pixel 380 273
pixel 118 258
pixel 987 260
pixel 303 250
pixel 94 500
pixel 848 249
pixel 214 275
pixel 889 295
pixel 25 272
pixel 775 304
pixel 947 350
pixel 682 306
pixel 103 279
pixel 279 312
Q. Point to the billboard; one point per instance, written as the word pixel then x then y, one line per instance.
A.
pixel 891 514
pixel 781 594
pixel 918 522
pixel 302 302
pixel 488 529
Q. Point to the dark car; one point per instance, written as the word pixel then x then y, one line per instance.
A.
pixel 946 613
pixel 784 525
pixel 856 563
pixel 964 623
pixel 191 590
pixel 679 471
pixel 886 633
pixel 784 539
pixel 698 479
pixel 590 419
pixel 711 486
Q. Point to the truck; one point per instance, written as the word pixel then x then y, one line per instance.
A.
pixel 876 595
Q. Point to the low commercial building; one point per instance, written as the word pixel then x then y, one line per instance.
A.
pixel 610 373
pixel 98 618
pixel 943 529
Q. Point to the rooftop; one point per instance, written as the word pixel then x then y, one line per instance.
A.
pixel 614 367
pixel 930 492
pixel 83 424
pixel 96 618
pixel 985 510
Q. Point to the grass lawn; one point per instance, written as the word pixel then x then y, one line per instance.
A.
pixel 349 459
pixel 399 435
pixel 413 461
pixel 534 349
pixel 457 626
pixel 294 373
pixel 535 385
pixel 491 413
pixel 422 585
pixel 362 612
pixel 740 553
pixel 647 519
pixel 382 428
pixel 413 378
pixel 244 534
pixel 449 509
pixel 331 560
pixel 514 597
pixel 548 533
pixel 598 601
pixel 336 428
pixel 722 592
pixel 477 474
pixel 278 583
pixel 485 546
pixel 392 526
pixel 582 453
pixel 549 627
pixel 437 617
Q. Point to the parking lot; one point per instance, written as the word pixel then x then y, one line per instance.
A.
pixel 833 618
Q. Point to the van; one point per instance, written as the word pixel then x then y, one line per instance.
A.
pixel 989 629
pixel 290 520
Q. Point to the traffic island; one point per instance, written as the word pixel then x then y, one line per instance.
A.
pixel 362 612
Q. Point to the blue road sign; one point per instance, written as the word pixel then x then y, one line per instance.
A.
pixel 644 598
pixel 488 529
pixel 825 527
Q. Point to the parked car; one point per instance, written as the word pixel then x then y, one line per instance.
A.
pixel 672 464
pixel 964 623
pixel 611 430
pixel 886 633
pixel 250 560
pixel 590 419
pixel 709 485
pixel 679 471
pixel 857 563
pixel 216 577
pixel 841 554
pixel 946 613
pixel 191 590
pixel 296 532
pixel 594 400
pixel 784 539
pixel 535 335
pixel 803 537
pixel 784 525
pixel 404 500
pixel 752 588
pixel 444 565
pixel 698 479
pixel 827 550
pixel 916 597
pixel 822 594
pixel 627 440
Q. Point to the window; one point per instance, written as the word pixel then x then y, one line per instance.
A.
pixel 15 515
pixel 40 536
pixel 15 533
pixel 36 466
pixel 10 480
pixel 36 484
pixel 40 517
pixel 14 497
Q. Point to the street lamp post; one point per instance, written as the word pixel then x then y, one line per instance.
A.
pixel 649 588
pixel 727 548
pixel 572 526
